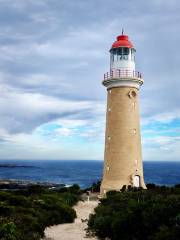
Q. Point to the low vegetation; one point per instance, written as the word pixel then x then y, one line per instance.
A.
pixel 95 187
pixel 136 214
pixel 24 214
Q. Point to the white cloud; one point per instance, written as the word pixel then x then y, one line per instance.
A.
pixel 64 132
pixel 161 148
pixel 52 59
pixel 22 111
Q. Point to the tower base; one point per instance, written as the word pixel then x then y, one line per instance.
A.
pixel 133 181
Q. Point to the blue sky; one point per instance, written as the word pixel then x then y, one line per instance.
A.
pixel 53 54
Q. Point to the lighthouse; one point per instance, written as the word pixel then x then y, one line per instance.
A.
pixel 122 157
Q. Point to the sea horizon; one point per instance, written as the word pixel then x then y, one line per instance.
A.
pixel 82 172
pixel 99 160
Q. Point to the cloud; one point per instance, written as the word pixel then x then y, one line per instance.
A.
pixel 23 112
pixel 161 148
pixel 52 59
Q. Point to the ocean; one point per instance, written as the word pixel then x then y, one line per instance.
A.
pixel 82 172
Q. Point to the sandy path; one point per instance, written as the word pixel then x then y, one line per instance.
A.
pixel 73 231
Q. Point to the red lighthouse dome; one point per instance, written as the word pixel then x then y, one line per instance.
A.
pixel 122 41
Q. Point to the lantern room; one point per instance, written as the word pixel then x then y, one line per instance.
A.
pixel 122 54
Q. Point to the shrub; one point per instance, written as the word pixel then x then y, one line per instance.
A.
pixel 25 214
pixel 8 231
pixel 152 214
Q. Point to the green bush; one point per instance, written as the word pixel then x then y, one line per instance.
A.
pixel 8 231
pixel 152 214
pixel 94 188
pixel 25 214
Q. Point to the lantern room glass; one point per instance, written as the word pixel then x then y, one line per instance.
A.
pixel 122 53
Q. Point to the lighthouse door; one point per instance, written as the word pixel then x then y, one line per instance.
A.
pixel 136 181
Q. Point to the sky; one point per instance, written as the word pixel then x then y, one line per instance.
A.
pixel 53 54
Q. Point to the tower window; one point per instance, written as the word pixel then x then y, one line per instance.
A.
pixel 114 51
pixel 133 54
pixel 120 51
pixel 125 57
pixel 125 51
pixel 132 94
pixel 134 131
pixel 112 57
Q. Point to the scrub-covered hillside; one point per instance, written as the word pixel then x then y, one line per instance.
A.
pixel 152 214
pixel 24 214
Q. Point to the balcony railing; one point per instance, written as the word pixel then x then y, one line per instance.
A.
pixel 121 74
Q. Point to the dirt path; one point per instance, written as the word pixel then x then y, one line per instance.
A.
pixel 73 231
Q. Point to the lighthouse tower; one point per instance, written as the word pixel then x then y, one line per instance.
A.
pixel 123 161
